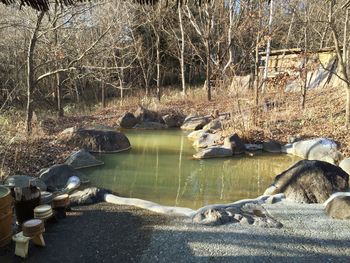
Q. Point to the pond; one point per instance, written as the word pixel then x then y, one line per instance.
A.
pixel 160 168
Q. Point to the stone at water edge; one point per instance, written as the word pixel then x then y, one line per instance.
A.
pixel 127 121
pixel 150 126
pixel 345 165
pixel 272 146
pixel 309 182
pixel 321 149
pixel 82 159
pixel 339 207
pixel 235 144
pixel 56 176
pixel 97 140
pixel 213 152
pixel 207 140
pixel 215 124
pixel 173 120
pixel 87 196
pixel 194 123
pixel 195 135
pixel 144 115
pixel 24 180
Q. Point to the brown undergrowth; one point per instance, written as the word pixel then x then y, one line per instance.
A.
pixel 277 116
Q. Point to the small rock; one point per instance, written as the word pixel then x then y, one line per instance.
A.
pixel 127 121
pixel 144 115
pixel 194 123
pixel 207 140
pixel 173 120
pixel 87 196
pixel 215 124
pixel 214 152
pixel 272 146
pixel 235 144
pixel 339 207
pixel 150 126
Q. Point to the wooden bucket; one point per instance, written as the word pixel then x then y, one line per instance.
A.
pixel 6 219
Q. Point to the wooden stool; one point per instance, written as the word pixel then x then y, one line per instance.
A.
pixel 32 229
pixel 60 204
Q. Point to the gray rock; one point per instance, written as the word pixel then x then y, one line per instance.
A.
pixel 23 181
pixel 150 126
pixel 315 149
pixel 194 123
pixel 345 165
pixel 173 120
pixel 215 124
pixel 272 146
pixel 87 196
pixel 309 182
pixel 82 159
pixel 244 215
pixel 195 135
pixel 127 121
pixel 214 152
pixel 97 140
pixel 57 176
pixel 144 115
pixel 235 144
pixel 339 207
pixel 207 140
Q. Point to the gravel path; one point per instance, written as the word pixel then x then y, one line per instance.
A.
pixel 111 233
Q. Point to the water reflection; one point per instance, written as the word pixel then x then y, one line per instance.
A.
pixel 160 168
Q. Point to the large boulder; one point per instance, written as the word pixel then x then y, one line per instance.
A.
pixel 213 152
pixel 97 140
pixel 309 182
pixel 82 159
pixel 235 144
pixel 56 176
pixel 194 123
pixel 207 140
pixel 339 207
pixel 173 120
pixel 144 115
pixel 345 165
pixel 315 149
pixel 24 180
pixel 127 121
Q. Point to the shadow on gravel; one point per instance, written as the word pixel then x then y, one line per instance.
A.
pixel 96 233
pixel 232 246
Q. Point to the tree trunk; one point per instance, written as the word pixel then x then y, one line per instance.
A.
pixel 208 69
pixel 103 94
pixel 182 59
pixel 59 95
pixel 30 74
pixel 158 67
pixel 268 46
pixel 304 86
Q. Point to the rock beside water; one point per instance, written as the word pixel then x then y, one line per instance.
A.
pixel 128 120
pixel 57 176
pixel 194 123
pixel 235 144
pixel 310 182
pixel 87 196
pixel 96 140
pixel 82 159
pixel 315 149
pixel 345 165
pixel 213 152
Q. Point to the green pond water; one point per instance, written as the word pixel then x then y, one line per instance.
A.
pixel 160 168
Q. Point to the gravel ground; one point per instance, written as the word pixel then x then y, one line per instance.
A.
pixel 307 236
pixel 111 233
